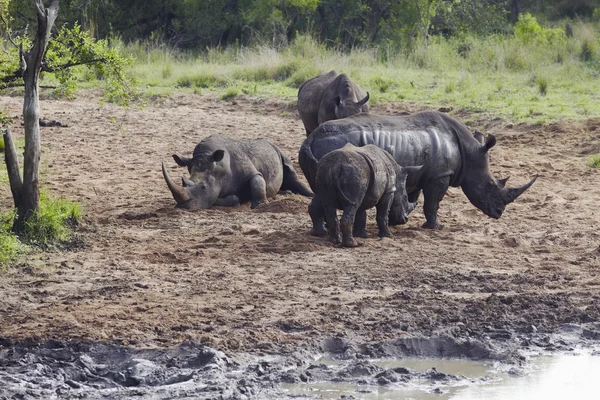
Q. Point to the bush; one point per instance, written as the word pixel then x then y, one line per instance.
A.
pixel 528 30
pixel 594 161
pixel 10 246
pixel 230 93
pixel 53 222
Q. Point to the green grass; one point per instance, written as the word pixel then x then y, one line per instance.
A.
pixel 594 161
pixel 519 80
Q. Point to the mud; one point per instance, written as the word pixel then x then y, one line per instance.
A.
pixel 144 275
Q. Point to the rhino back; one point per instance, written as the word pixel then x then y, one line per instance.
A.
pixel 342 178
pixel 419 139
pixel 267 160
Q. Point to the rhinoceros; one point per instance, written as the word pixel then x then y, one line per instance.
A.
pixel 355 179
pixel 327 97
pixel 449 153
pixel 228 172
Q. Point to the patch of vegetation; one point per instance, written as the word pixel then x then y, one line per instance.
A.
pixel 594 161
pixel 230 93
pixel 53 223
pixel 204 80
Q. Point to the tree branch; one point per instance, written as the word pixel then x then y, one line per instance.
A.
pixel 12 167
pixel 46 68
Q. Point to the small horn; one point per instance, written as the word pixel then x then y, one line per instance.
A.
pixel 363 101
pixel 502 182
pixel 179 194
pixel 513 193
pixel 187 182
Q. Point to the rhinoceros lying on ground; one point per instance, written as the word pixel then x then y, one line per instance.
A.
pixel 449 153
pixel 227 172
pixel 355 179
pixel 329 96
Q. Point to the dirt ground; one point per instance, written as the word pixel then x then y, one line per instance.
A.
pixel 146 274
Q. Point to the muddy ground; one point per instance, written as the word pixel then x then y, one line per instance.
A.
pixel 143 274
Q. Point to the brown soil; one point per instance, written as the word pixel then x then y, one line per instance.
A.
pixel 148 274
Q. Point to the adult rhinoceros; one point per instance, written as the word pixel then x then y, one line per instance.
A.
pixel 449 153
pixel 327 97
pixel 228 172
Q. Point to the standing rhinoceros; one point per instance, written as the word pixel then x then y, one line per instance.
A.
pixel 227 172
pixel 449 153
pixel 355 179
pixel 329 96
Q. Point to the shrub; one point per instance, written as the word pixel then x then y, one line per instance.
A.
pixel 302 75
pixel 53 222
pixel 230 93
pixel 594 161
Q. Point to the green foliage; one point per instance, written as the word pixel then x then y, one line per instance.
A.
pixel 528 30
pixel 73 47
pixel 594 161
pixel 203 80
pixel 229 93
pixel 52 223
pixel 10 246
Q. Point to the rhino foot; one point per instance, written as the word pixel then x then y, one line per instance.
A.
pixel 430 225
pixel 256 204
pixel 386 234
pixel 351 242
pixel 320 232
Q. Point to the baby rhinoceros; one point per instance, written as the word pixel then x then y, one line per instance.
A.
pixel 355 179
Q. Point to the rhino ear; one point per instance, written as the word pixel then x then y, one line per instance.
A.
pixel 489 143
pixel 412 170
pixel 502 182
pixel 218 155
pixel 479 136
pixel 182 161
pixel 337 100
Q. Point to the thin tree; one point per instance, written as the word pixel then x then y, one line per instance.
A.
pixel 26 192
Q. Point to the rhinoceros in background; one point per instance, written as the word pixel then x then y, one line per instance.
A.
pixel 355 179
pixel 329 96
pixel 228 172
pixel 449 153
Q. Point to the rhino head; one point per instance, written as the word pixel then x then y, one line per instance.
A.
pixel 208 172
pixel 401 207
pixel 347 108
pixel 483 190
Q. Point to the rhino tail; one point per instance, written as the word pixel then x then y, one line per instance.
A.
pixel 290 178
pixel 335 176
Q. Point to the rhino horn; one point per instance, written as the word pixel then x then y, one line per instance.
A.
pixel 513 193
pixel 502 182
pixel 179 193
pixel 187 182
pixel 362 102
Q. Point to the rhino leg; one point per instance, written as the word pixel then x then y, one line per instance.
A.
pixel 258 190
pixel 360 224
pixel 333 225
pixel 292 183
pixel 383 211
pixel 433 193
pixel 315 210
pixel 346 225
pixel 228 201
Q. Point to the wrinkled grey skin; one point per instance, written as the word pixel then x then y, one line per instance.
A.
pixel 449 153
pixel 329 96
pixel 228 172
pixel 355 179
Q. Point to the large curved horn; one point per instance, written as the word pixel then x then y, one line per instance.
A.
pixel 179 194
pixel 513 193
pixel 362 102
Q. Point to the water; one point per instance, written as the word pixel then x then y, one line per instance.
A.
pixel 546 377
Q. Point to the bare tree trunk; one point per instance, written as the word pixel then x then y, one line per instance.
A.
pixel 515 10
pixel 28 201
pixel 12 167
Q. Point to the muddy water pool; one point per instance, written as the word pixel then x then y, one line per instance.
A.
pixel 574 376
